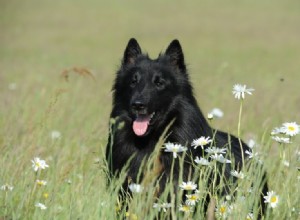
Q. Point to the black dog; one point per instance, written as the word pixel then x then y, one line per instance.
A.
pixel 148 95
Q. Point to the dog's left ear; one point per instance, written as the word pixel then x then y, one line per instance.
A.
pixel 174 51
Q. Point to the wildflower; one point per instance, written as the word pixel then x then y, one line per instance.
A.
pixel 174 148
pixel 188 185
pixel 223 210
pixel 251 154
pixel 202 161
pixel 228 197
pixel 251 143
pixel 7 187
pixel 185 208
pixel 164 206
pixel 249 216
pixel 215 150
pixel 291 128
pixel 41 206
pixel 210 116
pixel 216 112
pixel 277 130
pixel 240 90
pixel 282 140
pixel 239 175
pixel 220 158
pixel 41 182
pixel 192 199
pixel 45 195
pixel 38 164
pixel 202 141
pixel 55 135
pixel 286 163
pixel 136 188
pixel 131 216
pixel 272 199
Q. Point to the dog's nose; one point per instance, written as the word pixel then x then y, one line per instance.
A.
pixel 138 105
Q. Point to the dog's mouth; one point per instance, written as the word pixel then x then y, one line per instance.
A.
pixel 141 123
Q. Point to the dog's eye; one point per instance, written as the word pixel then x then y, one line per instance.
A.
pixel 134 80
pixel 159 82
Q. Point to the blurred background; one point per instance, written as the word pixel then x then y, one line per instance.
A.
pixel 58 61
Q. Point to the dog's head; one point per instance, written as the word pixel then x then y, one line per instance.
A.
pixel 146 90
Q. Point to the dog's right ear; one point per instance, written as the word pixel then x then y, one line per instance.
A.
pixel 132 51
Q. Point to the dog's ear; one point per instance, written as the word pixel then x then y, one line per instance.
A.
pixel 132 51
pixel 174 51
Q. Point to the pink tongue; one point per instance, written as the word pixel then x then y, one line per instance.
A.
pixel 140 125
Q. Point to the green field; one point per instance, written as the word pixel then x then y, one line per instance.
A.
pixel 256 43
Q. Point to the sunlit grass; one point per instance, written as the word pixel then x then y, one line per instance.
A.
pixel 66 122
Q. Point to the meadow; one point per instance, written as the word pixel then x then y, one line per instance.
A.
pixel 57 66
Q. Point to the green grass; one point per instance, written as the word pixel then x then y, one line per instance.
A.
pixel 225 42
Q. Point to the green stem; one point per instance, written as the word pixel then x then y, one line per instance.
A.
pixel 215 178
pixel 239 132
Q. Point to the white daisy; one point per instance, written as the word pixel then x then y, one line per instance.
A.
pixel 185 208
pixel 286 163
pixel 216 112
pixel 220 158
pixel 277 130
pixel 240 90
pixel 192 199
pixel 215 150
pixel 250 216
pixel 41 182
pixel 239 175
pixel 174 148
pixel 252 143
pixel 251 154
pixel 188 185
pixel 41 206
pixel 202 161
pixel 291 128
pixel 7 187
pixel 272 199
pixel 38 164
pixel 164 206
pixel 282 140
pixel 202 141
pixel 210 116
pixel 223 210
pixel 55 135
pixel 136 188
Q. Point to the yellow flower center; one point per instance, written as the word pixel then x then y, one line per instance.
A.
pixel 273 199
pixel 222 209
pixel 193 197
pixel 291 128
pixel 45 195
pixel 185 208
pixel 188 187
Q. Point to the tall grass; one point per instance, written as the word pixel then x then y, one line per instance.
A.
pixel 79 187
pixel 225 42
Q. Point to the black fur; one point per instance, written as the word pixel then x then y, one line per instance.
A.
pixel 144 86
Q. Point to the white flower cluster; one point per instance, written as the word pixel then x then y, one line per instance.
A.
pixel 284 133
